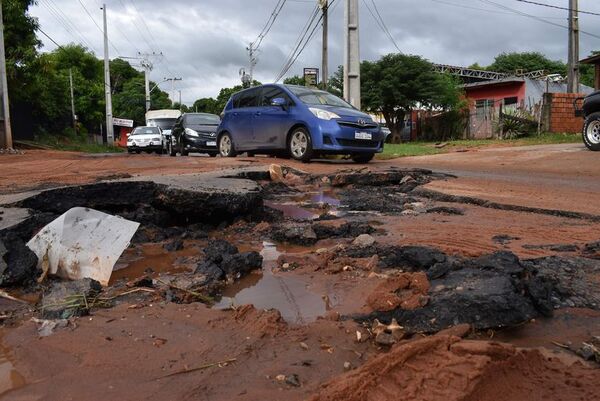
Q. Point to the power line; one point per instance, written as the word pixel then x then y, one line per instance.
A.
pixel 153 47
pixel 557 7
pixel 385 26
pixel 145 25
pixel 536 17
pixel 269 24
pixel 291 62
pixel 98 26
pixel 301 37
pixel 379 20
pixel 48 36
pixel 67 25
pixel 448 3
pixel 150 47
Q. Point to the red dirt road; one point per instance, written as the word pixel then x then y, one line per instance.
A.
pixel 148 348
pixel 564 177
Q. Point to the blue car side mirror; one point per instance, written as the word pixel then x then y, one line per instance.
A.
pixel 279 102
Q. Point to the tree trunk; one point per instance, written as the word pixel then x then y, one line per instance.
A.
pixel 395 121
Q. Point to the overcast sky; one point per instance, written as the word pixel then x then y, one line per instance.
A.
pixel 204 41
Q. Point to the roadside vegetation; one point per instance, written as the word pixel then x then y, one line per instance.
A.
pixel 392 151
pixel 72 145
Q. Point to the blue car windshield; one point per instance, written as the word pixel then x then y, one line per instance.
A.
pixel 317 97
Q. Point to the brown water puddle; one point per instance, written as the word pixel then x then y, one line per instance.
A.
pixel 308 206
pixel 10 378
pixel 267 290
pixel 135 262
pixel 570 326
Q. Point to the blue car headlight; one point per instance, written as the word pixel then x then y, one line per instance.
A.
pixel 323 114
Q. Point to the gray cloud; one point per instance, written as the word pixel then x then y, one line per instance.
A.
pixel 204 41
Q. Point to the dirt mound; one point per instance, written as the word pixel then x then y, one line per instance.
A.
pixel 445 368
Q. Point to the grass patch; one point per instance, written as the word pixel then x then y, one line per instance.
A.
pixel 392 151
pixel 76 146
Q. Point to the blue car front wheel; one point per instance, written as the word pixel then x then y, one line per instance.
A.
pixel 300 145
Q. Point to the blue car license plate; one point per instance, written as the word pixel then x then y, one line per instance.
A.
pixel 363 135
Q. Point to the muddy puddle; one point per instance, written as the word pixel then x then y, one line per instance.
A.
pixel 151 259
pixel 10 378
pixel 307 206
pixel 568 327
pixel 291 296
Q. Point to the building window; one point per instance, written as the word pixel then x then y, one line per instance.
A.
pixel 483 107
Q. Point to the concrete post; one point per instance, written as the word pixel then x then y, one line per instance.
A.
pixel 351 54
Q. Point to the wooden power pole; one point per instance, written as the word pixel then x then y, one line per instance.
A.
pixel 324 4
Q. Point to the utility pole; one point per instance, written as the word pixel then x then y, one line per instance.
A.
pixel 173 85
pixel 147 66
pixel 253 60
pixel 6 139
pixel 351 54
pixel 324 4
pixel 110 137
pixel 573 73
pixel 179 99
pixel 73 115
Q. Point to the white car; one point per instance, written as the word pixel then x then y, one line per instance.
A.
pixel 147 139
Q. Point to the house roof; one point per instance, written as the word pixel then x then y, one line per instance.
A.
pixel 503 81
pixel 591 60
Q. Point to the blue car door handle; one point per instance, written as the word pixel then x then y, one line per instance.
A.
pixel 257 113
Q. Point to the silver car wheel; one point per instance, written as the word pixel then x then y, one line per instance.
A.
pixel 593 132
pixel 299 144
pixel 225 145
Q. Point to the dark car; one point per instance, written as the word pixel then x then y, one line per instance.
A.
pixel 301 121
pixel 591 111
pixel 194 132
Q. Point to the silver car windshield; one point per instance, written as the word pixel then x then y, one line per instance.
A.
pixel 163 123
pixel 318 97
pixel 146 131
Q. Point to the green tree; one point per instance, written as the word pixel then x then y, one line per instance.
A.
pixel 131 101
pixel 21 46
pixel 183 107
pixel 527 61
pixel 120 72
pixel 335 85
pixel 397 83
pixel 205 105
pixel 587 71
pixel 295 80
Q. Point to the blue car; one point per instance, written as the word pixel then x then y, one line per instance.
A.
pixel 301 121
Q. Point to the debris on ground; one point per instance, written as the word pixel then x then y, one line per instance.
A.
pixel 492 291
pixel 46 327
pixel 66 299
pixel 18 264
pixel 83 243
